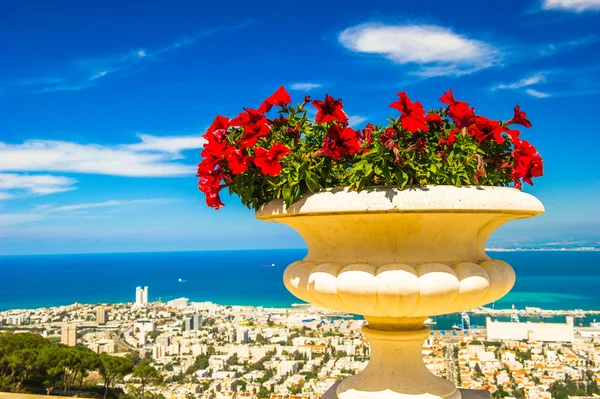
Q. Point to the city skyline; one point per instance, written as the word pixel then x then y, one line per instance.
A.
pixel 103 111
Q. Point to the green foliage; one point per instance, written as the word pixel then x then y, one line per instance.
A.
pixel 408 159
pixel 29 362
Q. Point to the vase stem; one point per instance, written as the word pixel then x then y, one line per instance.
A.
pixel 396 369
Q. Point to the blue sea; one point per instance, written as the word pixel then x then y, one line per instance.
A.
pixel 550 280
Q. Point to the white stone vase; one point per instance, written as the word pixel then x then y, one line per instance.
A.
pixel 397 257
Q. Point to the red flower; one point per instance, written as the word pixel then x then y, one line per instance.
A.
pixel 214 200
pixel 248 116
pixel 238 159
pixel 462 115
pixel 434 119
pixel 215 137
pixel 268 161
pixel 339 141
pixel 485 128
pixel 520 118
pixel 448 98
pixel 413 114
pixel 253 132
pixel 210 185
pixel 388 138
pixel 280 98
pixel 528 163
pixel 368 134
pixel 330 110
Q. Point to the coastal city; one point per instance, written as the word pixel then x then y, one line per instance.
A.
pixel 210 351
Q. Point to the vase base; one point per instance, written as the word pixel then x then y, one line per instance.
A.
pixel 461 393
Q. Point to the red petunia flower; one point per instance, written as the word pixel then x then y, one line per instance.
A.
pixel 448 98
pixel 210 185
pixel 528 163
pixel 520 118
pixel 388 138
pixel 434 120
pixel 220 123
pixel 413 114
pixel 268 161
pixel 485 129
pixel 238 159
pixel 249 116
pixel 339 141
pixel 214 200
pixel 368 134
pixel 253 132
pixel 330 110
pixel 462 115
pixel 280 98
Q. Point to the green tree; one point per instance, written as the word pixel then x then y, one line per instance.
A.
pixel 112 367
pixel 147 375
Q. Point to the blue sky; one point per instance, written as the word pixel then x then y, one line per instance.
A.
pixel 102 105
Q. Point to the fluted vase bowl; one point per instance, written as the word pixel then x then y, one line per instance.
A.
pixel 397 257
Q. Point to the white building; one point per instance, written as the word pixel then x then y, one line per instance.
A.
pixel 145 325
pixel 179 303
pixel 540 332
pixel 242 336
pixel 141 296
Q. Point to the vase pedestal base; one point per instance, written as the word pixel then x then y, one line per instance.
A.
pixel 464 393
pixel 396 369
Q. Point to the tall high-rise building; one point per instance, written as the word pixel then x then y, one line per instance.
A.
pixel 139 296
pixel 101 315
pixel 197 319
pixel 242 336
pixel 188 324
pixel 145 296
pixel 68 335
pixel 193 323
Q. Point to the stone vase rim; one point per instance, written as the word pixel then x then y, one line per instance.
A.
pixel 427 199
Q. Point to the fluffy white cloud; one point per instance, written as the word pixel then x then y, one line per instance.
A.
pixel 152 157
pixel 171 144
pixel 537 94
pixel 305 86
pixel 11 183
pixel 439 51
pixel 571 5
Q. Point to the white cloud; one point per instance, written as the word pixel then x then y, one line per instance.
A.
pixel 105 204
pixel 86 72
pixel 438 51
pixel 537 94
pixel 172 144
pixel 528 81
pixel 152 157
pixel 571 5
pixel 354 120
pixel 11 183
pixel 305 86
pixel 42 212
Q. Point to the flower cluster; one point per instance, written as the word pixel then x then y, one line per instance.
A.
pixel 261 159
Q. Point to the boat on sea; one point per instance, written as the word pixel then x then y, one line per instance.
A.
pixel 268 265
pixel 595 324
pixel 429 322
pixel 182 280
